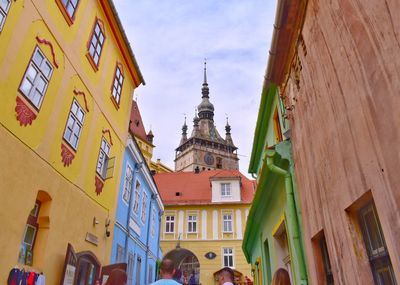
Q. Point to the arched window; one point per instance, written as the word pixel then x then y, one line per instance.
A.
pixel 34 237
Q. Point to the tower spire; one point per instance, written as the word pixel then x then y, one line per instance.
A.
pixel 205 71
pixel 184 131
pixel 205 91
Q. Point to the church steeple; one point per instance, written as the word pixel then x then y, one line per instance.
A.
pixel 206 109
pixel 205 148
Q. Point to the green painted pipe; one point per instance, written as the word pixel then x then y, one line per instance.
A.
pixel 291 208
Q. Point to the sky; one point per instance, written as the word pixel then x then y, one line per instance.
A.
pixel 171 38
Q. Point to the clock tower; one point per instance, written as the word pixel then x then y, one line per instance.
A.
pixel 205 149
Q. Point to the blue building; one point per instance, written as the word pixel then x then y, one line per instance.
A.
pixel 137 226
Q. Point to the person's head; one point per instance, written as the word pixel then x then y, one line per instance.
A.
pixel 185 273
pixel 225 275
pixel 167 269
pixel 281 277
pixel 117 277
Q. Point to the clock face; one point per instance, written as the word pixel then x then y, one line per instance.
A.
pixel 209 159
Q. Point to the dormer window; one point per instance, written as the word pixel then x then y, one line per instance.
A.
pixel 226 190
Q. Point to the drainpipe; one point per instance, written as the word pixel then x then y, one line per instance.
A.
pixel 153 196
pixel 292 221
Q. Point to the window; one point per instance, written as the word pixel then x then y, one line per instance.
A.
pixel 74 124
pixel 103 158
pixel 36 78
pixel 29 237
pixel 96 43
pixel 153 222
pixel 375 244
pixel 4 8
pixel 137 197
pixel 150 280
pixel 228 257
pixel 326 261
pixel 120 254
pixel 138 269
pixel 169 224
pixel 192 224
pixel 116 88
pixel 144 206
pixel 226 190
pixel 70 7
pixel 127 184
pixel 131 264
pixel 219 162
pixel 227 219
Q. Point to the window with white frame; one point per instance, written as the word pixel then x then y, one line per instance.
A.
pixel 153 222
pixel 137 197
pixel 120 253
pixel 127 184
pixel 117 84
pixel 192 223
pixel 131 265
pixel 4 8
pixel 169 224
pixel 96 43
pixel 36 78
pixel 228 257
pixel 74 124
pixel 226 190
pixel 103 158
pixel 144 206
pixel 227 221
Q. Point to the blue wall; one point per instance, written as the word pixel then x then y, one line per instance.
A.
pixel 143 238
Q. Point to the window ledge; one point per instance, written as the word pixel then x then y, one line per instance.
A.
pixel 92 63
pixel 116 105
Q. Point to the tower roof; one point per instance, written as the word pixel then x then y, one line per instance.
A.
pixel 206 108
pixel 203 121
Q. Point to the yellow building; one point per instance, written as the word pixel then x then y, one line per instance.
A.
pixel 67 74
pixel 145 140
pixel 204 220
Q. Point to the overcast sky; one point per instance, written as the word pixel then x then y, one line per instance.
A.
pixel 171 38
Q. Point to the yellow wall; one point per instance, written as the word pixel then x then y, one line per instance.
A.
pixel 31 155
pixel 199 246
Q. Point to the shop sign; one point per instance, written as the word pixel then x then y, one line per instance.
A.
pixel 92 238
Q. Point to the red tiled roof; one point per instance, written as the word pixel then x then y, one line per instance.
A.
pixel 136 126
pixel 195 188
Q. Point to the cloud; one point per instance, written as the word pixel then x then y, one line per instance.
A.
pixel 171 38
